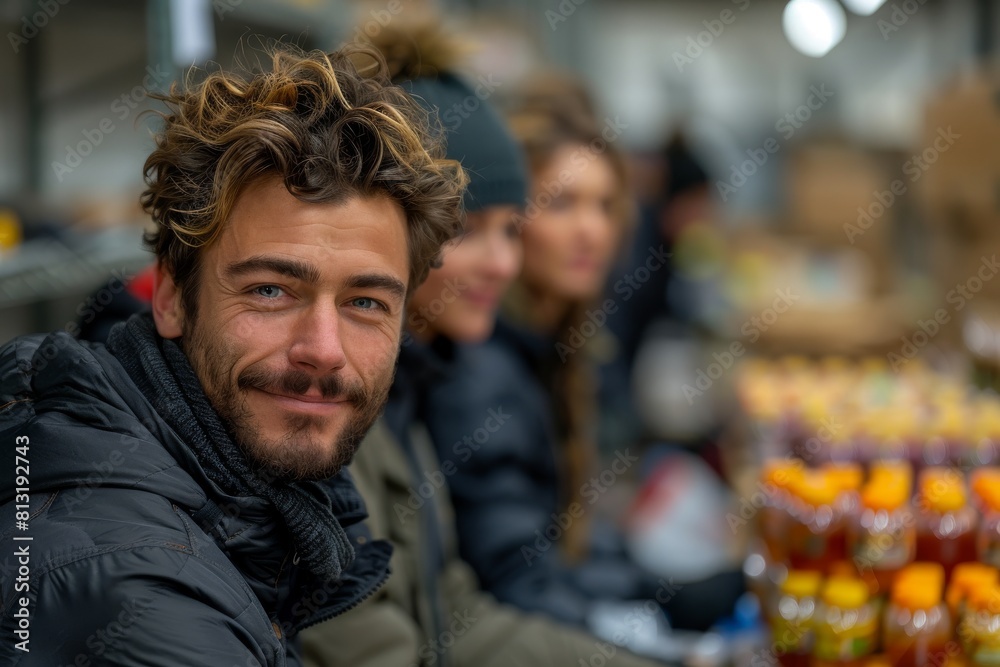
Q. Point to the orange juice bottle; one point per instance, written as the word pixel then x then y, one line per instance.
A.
pixel 987 488
pixel 965 578
pixel 979 480
pixel 917 627
pixel 847 477
pixel 846 624
pixel 979 631
pixel 773 517
pixel 816 530
pixel 883 539
pixel 946 524
pixel 793 618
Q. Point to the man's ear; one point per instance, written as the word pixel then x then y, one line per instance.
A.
pixel 168 312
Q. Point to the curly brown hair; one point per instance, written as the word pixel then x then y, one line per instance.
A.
pixel 330 126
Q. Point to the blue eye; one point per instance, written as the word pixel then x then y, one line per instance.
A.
pixel 365 303
pixel 268 291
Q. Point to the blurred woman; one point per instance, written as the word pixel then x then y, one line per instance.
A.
pixel 517 420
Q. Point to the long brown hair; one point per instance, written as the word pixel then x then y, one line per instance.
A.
pixel 552 111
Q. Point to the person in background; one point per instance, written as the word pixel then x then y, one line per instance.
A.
pixel 432 611
pixel 187 501
pixel 522 497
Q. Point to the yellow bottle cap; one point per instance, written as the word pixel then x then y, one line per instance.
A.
pixel 802 584
pixel 885 494
pixel 985 598
pixel 967 577
pixel 986 485
pixel 846 476
pixel 918 586
pixel 781 472
pixel 814 488
pixel 942 490
pixel 844 592
pixel 10 229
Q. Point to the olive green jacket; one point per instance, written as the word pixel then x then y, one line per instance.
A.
pixel 431 611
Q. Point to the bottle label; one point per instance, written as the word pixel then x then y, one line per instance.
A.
pixel 840 643
pixel 884 551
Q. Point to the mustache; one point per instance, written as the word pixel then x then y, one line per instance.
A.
pixel 298 383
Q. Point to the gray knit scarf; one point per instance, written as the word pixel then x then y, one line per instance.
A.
pixel 163 374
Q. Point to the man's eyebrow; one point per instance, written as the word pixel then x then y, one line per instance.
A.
pixel 377 281
pixel 292 268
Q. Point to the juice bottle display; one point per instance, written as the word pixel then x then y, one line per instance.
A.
pixel 979 631
pixel 883 539
pixel 816 530
pixel 846 624
pixel 946 524
pixel 965 578
pixel 916 626
pixel 793 618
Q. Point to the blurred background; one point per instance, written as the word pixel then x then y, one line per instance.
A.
pixel 812 267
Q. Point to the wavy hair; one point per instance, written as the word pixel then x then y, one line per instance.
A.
pixel 330 126
pixel 552 111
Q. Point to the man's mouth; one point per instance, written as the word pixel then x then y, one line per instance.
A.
pixel 308 403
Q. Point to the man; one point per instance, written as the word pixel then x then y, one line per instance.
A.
pixel 173 514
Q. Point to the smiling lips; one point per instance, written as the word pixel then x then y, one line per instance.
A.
pixel 306 403
pixel 483 298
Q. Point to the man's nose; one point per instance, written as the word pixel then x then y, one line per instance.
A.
pixel 318 347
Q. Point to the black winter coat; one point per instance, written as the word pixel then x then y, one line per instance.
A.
pixel 119 569
pixel 492 422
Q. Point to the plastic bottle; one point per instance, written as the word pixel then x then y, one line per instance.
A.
pixel 772 520
pixel 946 524
pixel 917 626
pixel 979 631
pixel 846 624
pixel 816 530
pixel 988 535
pixel 793 618
pixel 847 478
pixel 883 539
pixel 965 578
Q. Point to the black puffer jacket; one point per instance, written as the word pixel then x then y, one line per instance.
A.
pixel 492 419
pixel 120 570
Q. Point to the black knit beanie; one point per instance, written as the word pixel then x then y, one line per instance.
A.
pixel 477 137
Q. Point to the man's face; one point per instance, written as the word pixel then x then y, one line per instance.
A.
pixel 297 329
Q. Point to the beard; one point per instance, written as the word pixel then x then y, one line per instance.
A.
pixel 296 454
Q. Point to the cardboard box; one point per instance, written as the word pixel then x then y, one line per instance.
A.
pixel 841 195
pixel 957 164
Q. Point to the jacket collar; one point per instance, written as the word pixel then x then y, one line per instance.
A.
pixel 249 530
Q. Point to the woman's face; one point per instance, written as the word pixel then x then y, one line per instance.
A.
pixel 460 299
pixel 570 244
